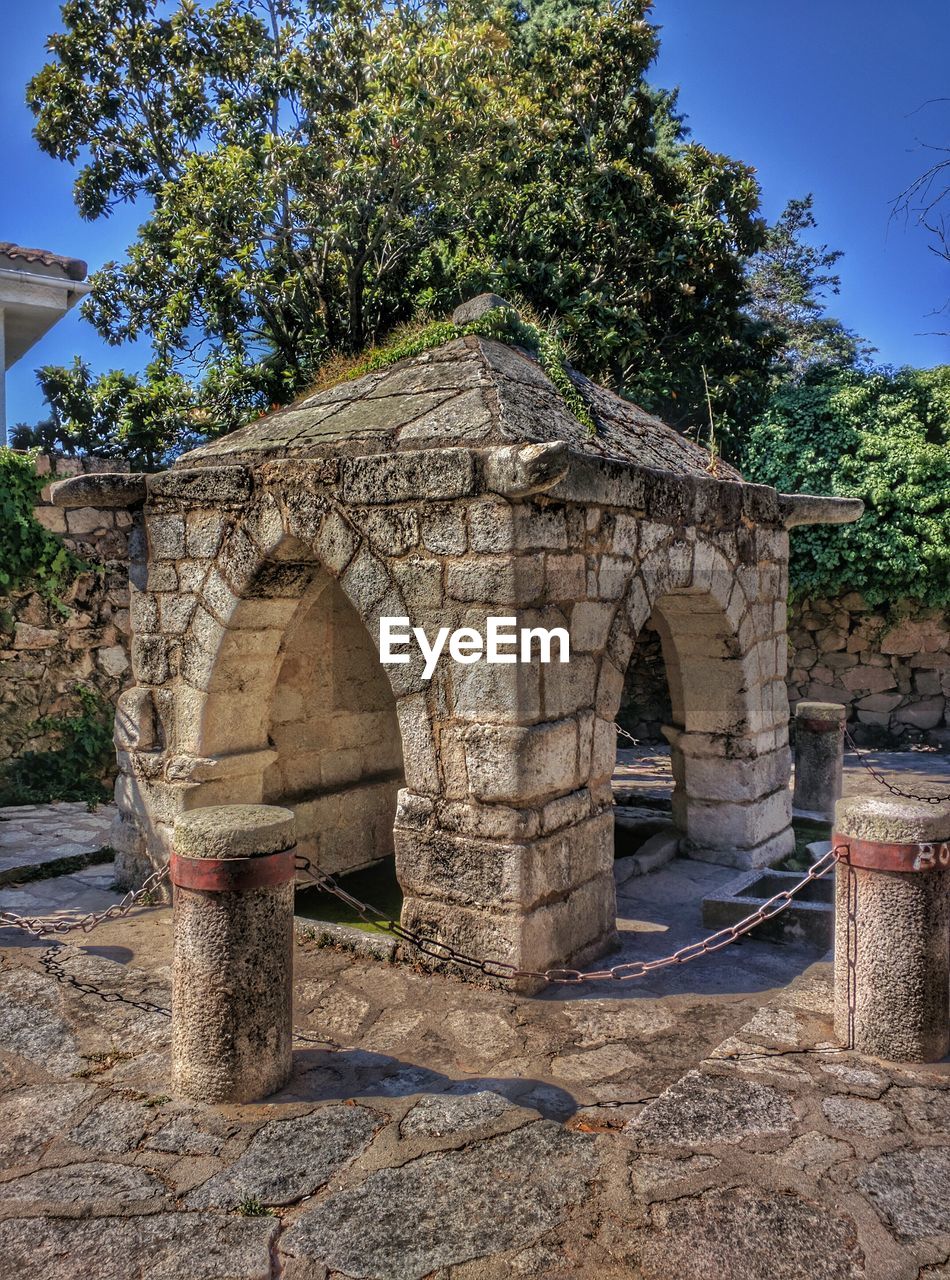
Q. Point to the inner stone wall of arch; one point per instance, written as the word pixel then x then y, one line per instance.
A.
pixel 335 734
pixel 503 832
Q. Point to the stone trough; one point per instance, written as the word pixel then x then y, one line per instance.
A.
pixel 809 918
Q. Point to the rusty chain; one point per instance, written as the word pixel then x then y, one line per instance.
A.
pixel 501 970
pixel 882 781
pixel 67 921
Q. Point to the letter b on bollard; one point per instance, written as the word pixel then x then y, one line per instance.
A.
pixel 232 969
pixel 892 928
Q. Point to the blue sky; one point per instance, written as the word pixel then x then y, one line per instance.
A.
pixel 826 96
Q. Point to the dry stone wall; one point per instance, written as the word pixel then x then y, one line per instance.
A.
pixel 44 653
pixel 891 670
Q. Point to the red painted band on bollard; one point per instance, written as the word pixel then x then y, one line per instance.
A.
pixel 229 875
pixel 820 726
pixel 874 855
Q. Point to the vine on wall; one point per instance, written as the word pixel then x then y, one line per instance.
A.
pixel 30 556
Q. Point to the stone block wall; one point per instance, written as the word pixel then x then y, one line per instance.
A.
pixel 890 669
pixel 44 652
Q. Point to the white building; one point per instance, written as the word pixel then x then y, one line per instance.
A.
pixel 37 288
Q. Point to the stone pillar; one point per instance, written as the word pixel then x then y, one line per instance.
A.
pixel 819 748
pixel 892 928
pixel 232 971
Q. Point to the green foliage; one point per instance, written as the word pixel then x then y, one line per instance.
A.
pixel 120 415
pixel 76 769
pixel 881 436
pixel 502 323
pixel 318 174
pixel 30 556
pixel 789 279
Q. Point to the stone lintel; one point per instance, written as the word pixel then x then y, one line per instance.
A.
pixel 666 496
pixel 100 489
pixel 410 476
pixel 201 486
pixel 807 508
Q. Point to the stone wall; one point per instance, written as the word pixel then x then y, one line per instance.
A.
pixel 333 727
pixel 890 669
pixel 44 652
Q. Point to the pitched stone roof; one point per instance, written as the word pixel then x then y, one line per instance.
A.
pixel 74 268
pixel 471 392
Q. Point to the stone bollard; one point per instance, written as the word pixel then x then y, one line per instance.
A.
pixel 892 928
pixel 232 969
pixel 819 750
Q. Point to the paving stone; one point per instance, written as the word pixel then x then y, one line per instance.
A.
pixel 119 1184
pixel 439 1115
pixel 29 1027
pixel 114 1127
pixel 181 1135
pixel 289 1159
pixel 712 1109
pixel 813 1151
pixel 31 1117
pixel 858 1115
pixel 597 1064
pixel 927 1110
pixel 600 1022
pixel 441 1210
pixel 651 1173
pixel 168 1246
pixel 909 1191
pixel 747 1235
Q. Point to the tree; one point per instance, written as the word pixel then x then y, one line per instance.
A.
pixel 789 280
pixel 927 201
pixel 316 174
pixel 879 435
pixel 145 421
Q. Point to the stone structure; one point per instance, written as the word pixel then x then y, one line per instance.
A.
pixel 44 652
pixel 233 959
pixel 890 671
pixel 449 488
pixel 819 758
pixel 892 928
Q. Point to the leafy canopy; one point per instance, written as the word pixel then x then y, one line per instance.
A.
pixel 116 414
pixel 314 174
pixel 881 436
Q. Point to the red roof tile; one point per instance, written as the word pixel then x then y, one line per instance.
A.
pixel 75 268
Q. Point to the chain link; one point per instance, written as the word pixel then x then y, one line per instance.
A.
pixel 67 921
pixel 880 778
pixel 618 973
pixel 624 734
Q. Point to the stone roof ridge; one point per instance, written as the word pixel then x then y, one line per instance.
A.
pixel 74 268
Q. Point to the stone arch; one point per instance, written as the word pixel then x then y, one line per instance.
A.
pixel 274 612
pixel 724 665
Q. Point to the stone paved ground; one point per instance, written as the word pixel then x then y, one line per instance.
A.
pixel 38 839
pixel 453 1135
pixel 703 1125
pixel 643 773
